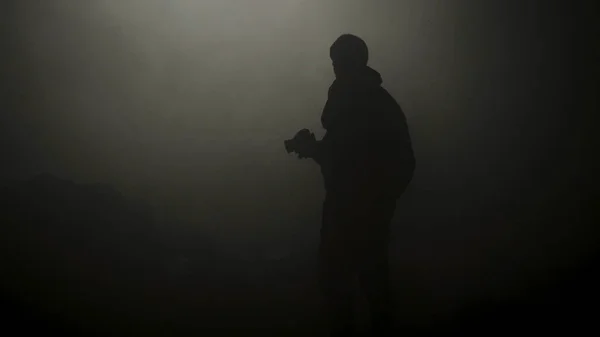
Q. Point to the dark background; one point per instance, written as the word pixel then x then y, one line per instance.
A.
pixel 147 190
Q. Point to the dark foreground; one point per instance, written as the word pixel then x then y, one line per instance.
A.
pixel 81 259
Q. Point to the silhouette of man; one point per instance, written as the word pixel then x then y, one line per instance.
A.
pixel 367 161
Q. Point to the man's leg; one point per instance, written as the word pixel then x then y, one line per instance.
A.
pixel 337 271
pixel 375 283
pixel 337 286
pixel 374 270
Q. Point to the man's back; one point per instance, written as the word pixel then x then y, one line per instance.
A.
pixel 367 144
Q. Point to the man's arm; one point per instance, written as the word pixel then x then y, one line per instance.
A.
pixel 317 151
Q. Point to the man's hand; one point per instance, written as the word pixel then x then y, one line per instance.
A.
pixel 303 143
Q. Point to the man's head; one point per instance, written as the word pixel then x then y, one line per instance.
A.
pixel 348 52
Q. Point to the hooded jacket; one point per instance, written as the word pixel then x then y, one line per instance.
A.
pixel 367 146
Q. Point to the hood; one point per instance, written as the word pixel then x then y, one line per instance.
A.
pixel 360 79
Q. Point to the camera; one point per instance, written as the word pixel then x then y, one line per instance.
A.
pixel 301 141
pixel 290 145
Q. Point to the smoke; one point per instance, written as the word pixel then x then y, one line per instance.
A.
pixel 187 104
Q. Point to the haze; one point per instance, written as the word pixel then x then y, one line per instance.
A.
pixel 185 105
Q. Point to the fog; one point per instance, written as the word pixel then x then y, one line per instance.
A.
pixel 185 105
